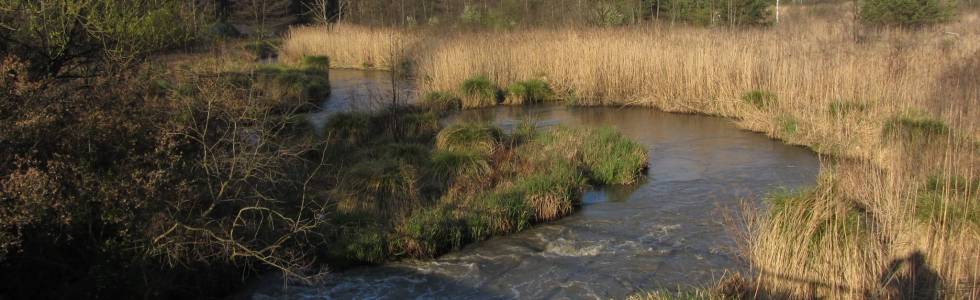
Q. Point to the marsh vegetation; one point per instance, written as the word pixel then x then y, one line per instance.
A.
pixel 158 148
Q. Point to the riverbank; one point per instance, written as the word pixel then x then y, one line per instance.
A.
pixel 895 118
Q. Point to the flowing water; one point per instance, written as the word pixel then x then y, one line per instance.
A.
pixel 666 232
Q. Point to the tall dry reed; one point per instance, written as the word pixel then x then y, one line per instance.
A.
pixel 350 46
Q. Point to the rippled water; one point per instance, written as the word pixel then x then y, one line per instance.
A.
pixel 665 232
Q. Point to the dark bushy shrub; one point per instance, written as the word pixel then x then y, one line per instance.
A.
pixel 714 12
pixel 904 13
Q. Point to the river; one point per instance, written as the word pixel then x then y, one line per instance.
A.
pixel 666 232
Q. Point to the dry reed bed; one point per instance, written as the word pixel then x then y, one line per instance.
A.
pixel 349 46
pixel 857 233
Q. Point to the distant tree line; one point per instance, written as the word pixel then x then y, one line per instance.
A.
pixel 271 16
pixel 513 13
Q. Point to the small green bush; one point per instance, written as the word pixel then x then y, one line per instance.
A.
pixel 529 91
pixel 904 13
pixel 610 14
pixel 479 91
pixel 759 99
pixel 612 158
pixel 441 101
pixel 914 125
pixel 473 137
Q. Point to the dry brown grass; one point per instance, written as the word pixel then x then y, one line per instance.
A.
pixel 856 234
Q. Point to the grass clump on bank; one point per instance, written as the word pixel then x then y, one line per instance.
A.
pixel 824 223
pixel 612 158
pixel 305 86
pixel 914 125
pixel 949 200
pixel 476 137
pixel 759 99
pixel 479 91
pixel 788 125
pixel 529 92
pixel 316 62
pixel 441 101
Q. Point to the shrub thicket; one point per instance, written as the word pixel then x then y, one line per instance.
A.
pixel 904 13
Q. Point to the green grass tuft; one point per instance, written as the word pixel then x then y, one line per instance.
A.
pixel 479 91
pixel 365 244
pixel 759 99
pixel 350 128
pixel 447 165
pixel 949 200
pixel 441 101
pixel 381 187
pixel 528 92
pixel 429 232
pixel 806 215
pixel 788 125
pixel 473 137
pixel 612 158
pixel 498 212
pixel 316 62
pixel 914 125
pixel 553 192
